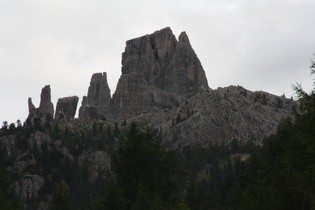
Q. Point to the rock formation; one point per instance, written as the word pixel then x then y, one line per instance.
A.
pixel 66 108
pixel 220 116
pixel 46 107
pixel 158 72
pixel 96 104
pixel 31 108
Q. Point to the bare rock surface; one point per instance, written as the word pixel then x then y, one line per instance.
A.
pixel 157 72
pixel 66 108
pixel 219 116
pixel 96 104
pixel 46 107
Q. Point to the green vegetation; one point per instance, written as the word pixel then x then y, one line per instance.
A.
pixel 145 174
pixel 282 174
pixel 61 197
pixel 8 199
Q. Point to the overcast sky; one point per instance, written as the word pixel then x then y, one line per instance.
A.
pixel 261 45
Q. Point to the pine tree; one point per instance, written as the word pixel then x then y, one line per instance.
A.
pixel 61 197
pixel 144 169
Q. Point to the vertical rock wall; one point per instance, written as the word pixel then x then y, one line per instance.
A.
pixel 156 66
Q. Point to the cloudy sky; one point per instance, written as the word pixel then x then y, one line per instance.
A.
pixel 261 45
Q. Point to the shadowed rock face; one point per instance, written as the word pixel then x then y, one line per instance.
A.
pixel 164 62
pixel 158 71
pixel 96 104
pixel 46 107
pixel 66 108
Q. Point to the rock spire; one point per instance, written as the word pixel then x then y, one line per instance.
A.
pixel 96 104
pixel 46 107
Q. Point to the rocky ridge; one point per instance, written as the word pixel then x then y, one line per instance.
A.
pixel 221 116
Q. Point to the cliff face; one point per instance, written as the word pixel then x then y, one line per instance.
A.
pixel 158 72
pixel 164 62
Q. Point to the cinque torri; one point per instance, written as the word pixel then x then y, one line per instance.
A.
pixel 162 86
pixel 163 83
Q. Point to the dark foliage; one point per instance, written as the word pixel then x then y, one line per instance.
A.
pixel 282 175
pixel 145 174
